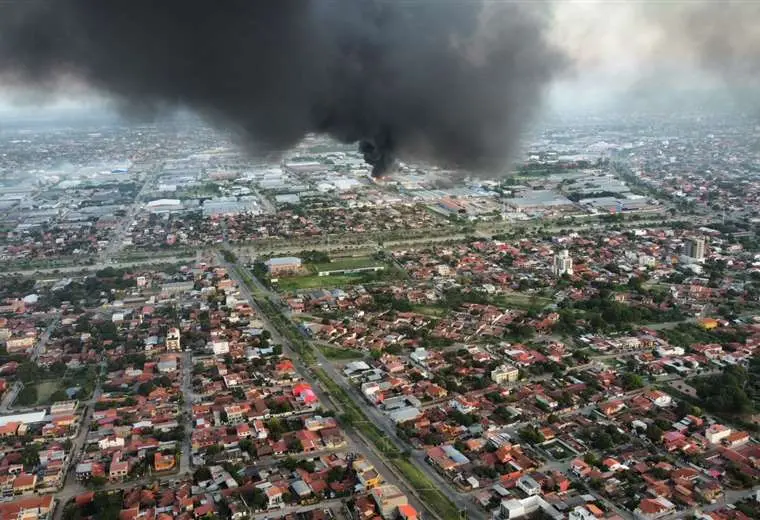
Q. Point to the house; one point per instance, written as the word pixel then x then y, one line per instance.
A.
pixel 309 440
pixel 611 407
pixel 332 437
pixel 446 457
pixel 528 485
pixel 111 441
pixel 366 474
pixel 9 429
pixel 716 433
pixel 388 499
pixel 581 513
pixel 274 497
pixel 24 483
pixel 580 468
pixel 736 439
pixel 300 489
pixel 652 508
pixel 119 469
pixel 163 462
pixel 305 394
pixel 407 512
pixel 659 398
pixel 31 508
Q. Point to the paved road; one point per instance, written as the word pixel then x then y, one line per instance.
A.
pixel 39 348
pixel 115 243
pixel 462 500
pixel 185 461
pixel 367 450
pixel 279 513
pixel 71 487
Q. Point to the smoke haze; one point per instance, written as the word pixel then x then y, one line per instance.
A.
pixel 451 81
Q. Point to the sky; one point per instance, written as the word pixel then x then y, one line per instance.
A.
pixel 616 51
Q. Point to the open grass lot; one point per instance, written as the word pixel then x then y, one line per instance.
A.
pixel 518 300
pixel 35 394
pixel 347 263
pixel 430 310
pixel 45 389
pixel 337 353
pixel 298 283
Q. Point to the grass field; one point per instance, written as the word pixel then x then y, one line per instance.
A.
pixel 430 310
pixel 347 263
pixel 337 353
pixel 518 300
pixel 45 389
pixel 35 394
pixel 299 283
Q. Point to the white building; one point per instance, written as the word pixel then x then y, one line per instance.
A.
pixel 563 264
pixel 173 339
pixel 529 486
pixel 716 433
pixel 220 347
pixel 504 374
pixel 111 442
pixel 581 513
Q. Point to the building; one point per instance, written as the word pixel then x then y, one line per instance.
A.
pixel 32 508
pixel 716 433
pixel 694 249
pixel 388 499
pixel 504 374
pixel 528 485
pixel 163 462
pixel 581 513
pixel 366 474
pixel 514 508
pixel 652 508
pixel 173 340
pixel 563 264
pixel 283 265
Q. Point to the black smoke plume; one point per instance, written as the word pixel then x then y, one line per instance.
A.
pixel 450 81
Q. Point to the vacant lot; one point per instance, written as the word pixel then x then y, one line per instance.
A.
pixel 37 393
pixel 347 263
pixel 337 353
pixel 298 283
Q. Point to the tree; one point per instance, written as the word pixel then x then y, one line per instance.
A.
pixel 58 395
pixel 255 498
pixel 631 381
pixel 531 435
pixel 654 433
pixel 202 474
pixel 295 445
pixel 28 371
pixel 30 455
pixel 290 463
pixel 27 396
pixel 336 474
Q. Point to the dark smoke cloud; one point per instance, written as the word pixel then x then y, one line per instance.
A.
pixel 451 81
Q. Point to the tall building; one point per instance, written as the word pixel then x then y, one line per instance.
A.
pixel 173 340
pixel 563 264
pixel 695 248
